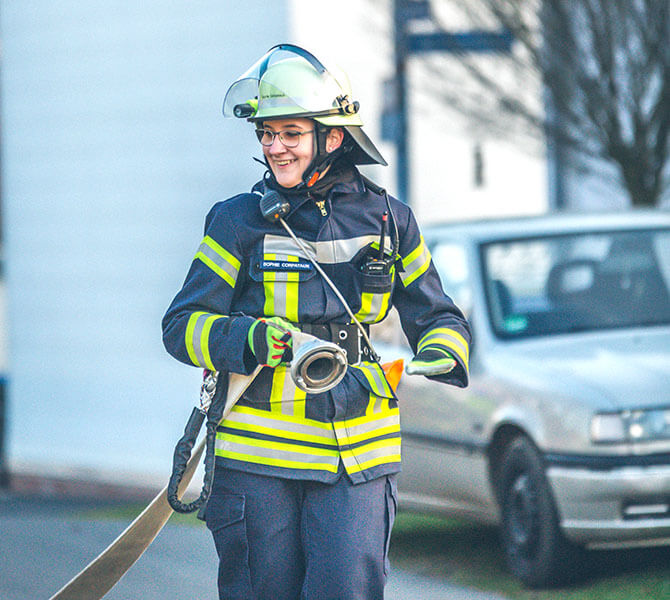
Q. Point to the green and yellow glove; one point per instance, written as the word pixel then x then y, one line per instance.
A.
pixel 431 360
pixel 270 341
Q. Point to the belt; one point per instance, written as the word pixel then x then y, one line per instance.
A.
pixel 346 335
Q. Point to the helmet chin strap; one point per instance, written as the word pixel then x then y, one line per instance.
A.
pixel 319 165
pixel 322 159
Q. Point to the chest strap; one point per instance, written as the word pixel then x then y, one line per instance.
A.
pixel 346 335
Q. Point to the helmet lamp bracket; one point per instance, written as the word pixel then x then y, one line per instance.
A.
pixel 347 106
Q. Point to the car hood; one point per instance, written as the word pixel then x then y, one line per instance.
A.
pixel 615 370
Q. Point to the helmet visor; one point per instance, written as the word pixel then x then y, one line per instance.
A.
pixel 286 81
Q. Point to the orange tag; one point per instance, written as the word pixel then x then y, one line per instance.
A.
pixel 393 372
pixel 313 178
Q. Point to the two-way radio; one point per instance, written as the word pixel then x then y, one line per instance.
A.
pixel 379 263
pixel 274 208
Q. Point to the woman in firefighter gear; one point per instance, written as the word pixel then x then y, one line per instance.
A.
pixel 304 492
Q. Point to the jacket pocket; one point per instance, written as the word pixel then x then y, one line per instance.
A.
pixel 284 278
pixel 280 267
pixel 371 281
pixel 372 293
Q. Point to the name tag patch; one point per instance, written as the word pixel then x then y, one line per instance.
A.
pixel 285 265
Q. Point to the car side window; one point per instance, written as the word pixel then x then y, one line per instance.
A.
pixel 577 282
pixel 451 263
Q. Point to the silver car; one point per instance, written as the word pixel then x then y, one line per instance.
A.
pixel 563 436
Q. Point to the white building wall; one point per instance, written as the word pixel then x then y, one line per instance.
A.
pixel 113 149
pixel 359 39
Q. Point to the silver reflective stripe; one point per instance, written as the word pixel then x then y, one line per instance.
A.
pixel 415 263
pixel 373 454
pixel 375 378
pixel 351 432
pixel 330 252
pixel 291 456
pixel 245 418
pixel 278 281
pixel 217 258
pixel 446 338
pixel 377 303
pixel 197 338
pixel 377 403
pixel 373 307
pixel 285 396
pixel 289 390
pixel 283 276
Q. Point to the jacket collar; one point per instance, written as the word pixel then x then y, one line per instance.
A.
pixel 347 181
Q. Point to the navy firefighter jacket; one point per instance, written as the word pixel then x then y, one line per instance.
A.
pixel 247 267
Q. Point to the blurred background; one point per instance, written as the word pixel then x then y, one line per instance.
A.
pixel 114 149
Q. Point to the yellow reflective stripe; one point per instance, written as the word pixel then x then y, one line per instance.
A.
pixel 299 402
pixel 449 338
pixel 368 435
pixel 365 428
pixel 376 404
pixel 292 286
pixel 415 263
pixel 443 330
pixel 277 389
pixel 281 290
pixel 285 396
pixel 197 338
pixel 277 454
pixel 204 341
pixel 275 462
pixel 280 446
pixel 244 418
pixel 190 326
pixel 366 307
pixel 379 452
pixel 458 350
pixel 375 377
pixel 383 309
pixel 374 462
pixel 287 420
pixel 455 348
pixel 373 307
pixel 414 254
pixel 349 423
pixel 217 258
pixel 269 289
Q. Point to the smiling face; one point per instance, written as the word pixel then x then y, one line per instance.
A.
pixel 289 164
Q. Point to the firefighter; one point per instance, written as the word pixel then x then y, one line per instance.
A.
pixel 304 493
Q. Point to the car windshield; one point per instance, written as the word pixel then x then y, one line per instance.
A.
pixel 578 282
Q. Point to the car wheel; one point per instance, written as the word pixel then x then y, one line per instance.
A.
pixel 534 546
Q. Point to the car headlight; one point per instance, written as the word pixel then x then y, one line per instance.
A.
pixel 631 425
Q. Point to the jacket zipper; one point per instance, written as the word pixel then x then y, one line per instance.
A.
pixel 320 204
pixel 322 207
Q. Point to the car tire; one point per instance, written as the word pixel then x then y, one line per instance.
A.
pixel 535 549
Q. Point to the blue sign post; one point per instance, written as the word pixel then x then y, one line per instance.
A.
pixel 394 116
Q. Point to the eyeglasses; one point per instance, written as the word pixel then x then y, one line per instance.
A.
pixel 290 138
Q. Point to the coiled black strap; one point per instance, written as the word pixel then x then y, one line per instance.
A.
pixel 182 452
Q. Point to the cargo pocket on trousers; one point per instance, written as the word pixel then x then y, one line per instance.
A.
pixel 225 519
pixel 391 509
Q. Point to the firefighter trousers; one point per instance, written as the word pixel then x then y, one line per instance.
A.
pixel 284 539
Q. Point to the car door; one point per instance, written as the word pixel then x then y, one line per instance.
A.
pixel 444 466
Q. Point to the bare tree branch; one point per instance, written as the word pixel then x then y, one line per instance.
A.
pixel 604 66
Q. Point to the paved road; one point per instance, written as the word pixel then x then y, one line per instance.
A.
pixel 46 540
